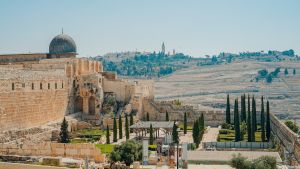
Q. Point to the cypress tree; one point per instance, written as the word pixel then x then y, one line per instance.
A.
pixel 131 121
pixel 228 110
pixel 126 127
pixel 185 123
pixel 147 118
pixel 196 132
pixel 167 116
pixel 115 132
pixel 107 135
pixel 262 121
pixel 237 129
pixel 175 134
pixel 64 133
pixel 253 123
pixel 294 71
pixel 120 127
pixel 151 139
pixel 201 129
pixel 243 108
pixel 268 123
pixel 249 131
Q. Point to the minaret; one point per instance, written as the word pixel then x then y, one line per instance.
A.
pixel 163 49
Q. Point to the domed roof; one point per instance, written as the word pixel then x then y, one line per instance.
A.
pixel 62 44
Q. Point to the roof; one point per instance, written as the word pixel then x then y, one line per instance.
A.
pixel 155 124
pixel 62 44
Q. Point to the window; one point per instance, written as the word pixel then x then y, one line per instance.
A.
pixel 55 85
pixel 23 85
pixel 32 86
pixel 41 86
pixel 48 85
pixel 13 86
pixel 62 85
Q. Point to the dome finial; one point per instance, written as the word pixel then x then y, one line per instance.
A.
pixel 62 30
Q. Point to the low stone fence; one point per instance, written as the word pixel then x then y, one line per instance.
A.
pixel 80 151
pixel 238 145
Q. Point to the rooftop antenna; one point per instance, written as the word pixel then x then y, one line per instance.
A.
pixel 62 30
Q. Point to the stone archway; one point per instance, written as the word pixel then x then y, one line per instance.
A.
pixel 78 104
pixel 92 103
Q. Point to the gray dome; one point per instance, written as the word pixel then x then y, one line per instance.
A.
pixel 62 44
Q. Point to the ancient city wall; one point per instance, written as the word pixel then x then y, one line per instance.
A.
pixel 81 151
pixel 4 59
pixel 285 136
pixel 32 98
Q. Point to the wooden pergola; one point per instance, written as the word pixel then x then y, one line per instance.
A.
pixel 142 127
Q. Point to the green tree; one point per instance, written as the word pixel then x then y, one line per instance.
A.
pixel 185 123
pixel 292 126
pixel 126 127
pixel 64 133
pixel 196 131
pixel 147 117
pixel 249 131
pixel 268 123
pixel 175 136
pixel 286 72
pixel 167 116
pixel 294 71
pixel 115 130
pixel 262 120
pixel 228 110
pixel 237 129
pixel 120 127
pixel 127 152
pixel 151 139
pixel 253 128
pixel 243 108
pixel 107 135
pixel 131 121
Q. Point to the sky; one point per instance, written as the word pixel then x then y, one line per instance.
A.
pixel 193 27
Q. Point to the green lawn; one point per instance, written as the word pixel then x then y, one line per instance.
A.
pixel 105 148
pixel 230 136
pixel 188 127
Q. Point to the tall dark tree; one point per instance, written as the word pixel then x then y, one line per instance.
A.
pixel 249 131
pixel 185 123
pixel 253 129
pixel 262 120
pixel 120 127
pixel 237 128
pixel 131 121
pixel 228 110
pixel 64 133
pixel 243 108
pixel 107 135
pixel 115 130
pixel 294 71
pixel 126 127
pixel 196 131
pixel 286 72
pixel 175 136
pixel 147 117
pixel 151 139
pixel 167 116
pixel 201 126
pixel 268 123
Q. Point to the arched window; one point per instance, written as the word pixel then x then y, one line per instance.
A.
pixel 55 85
pixel 48 85
pixel 13 86
pixel 32 86
pixel 62 85
pixel 41 86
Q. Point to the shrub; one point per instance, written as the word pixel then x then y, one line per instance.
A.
pixel 240 162
pixel 292 126
pixel 226 126
pixel 265 162
pixel 223 131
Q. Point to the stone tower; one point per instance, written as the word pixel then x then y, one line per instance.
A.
pixel 163 49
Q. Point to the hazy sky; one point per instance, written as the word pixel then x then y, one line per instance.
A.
pixel 192 27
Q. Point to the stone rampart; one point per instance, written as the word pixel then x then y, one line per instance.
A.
pixel 80 151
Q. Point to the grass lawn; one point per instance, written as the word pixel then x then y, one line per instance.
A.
pixel 105 148
pixel 230 136
pixel 87 135
pixel 188 127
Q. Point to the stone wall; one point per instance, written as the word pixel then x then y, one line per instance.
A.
pixel 55 150
pixel 10 58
